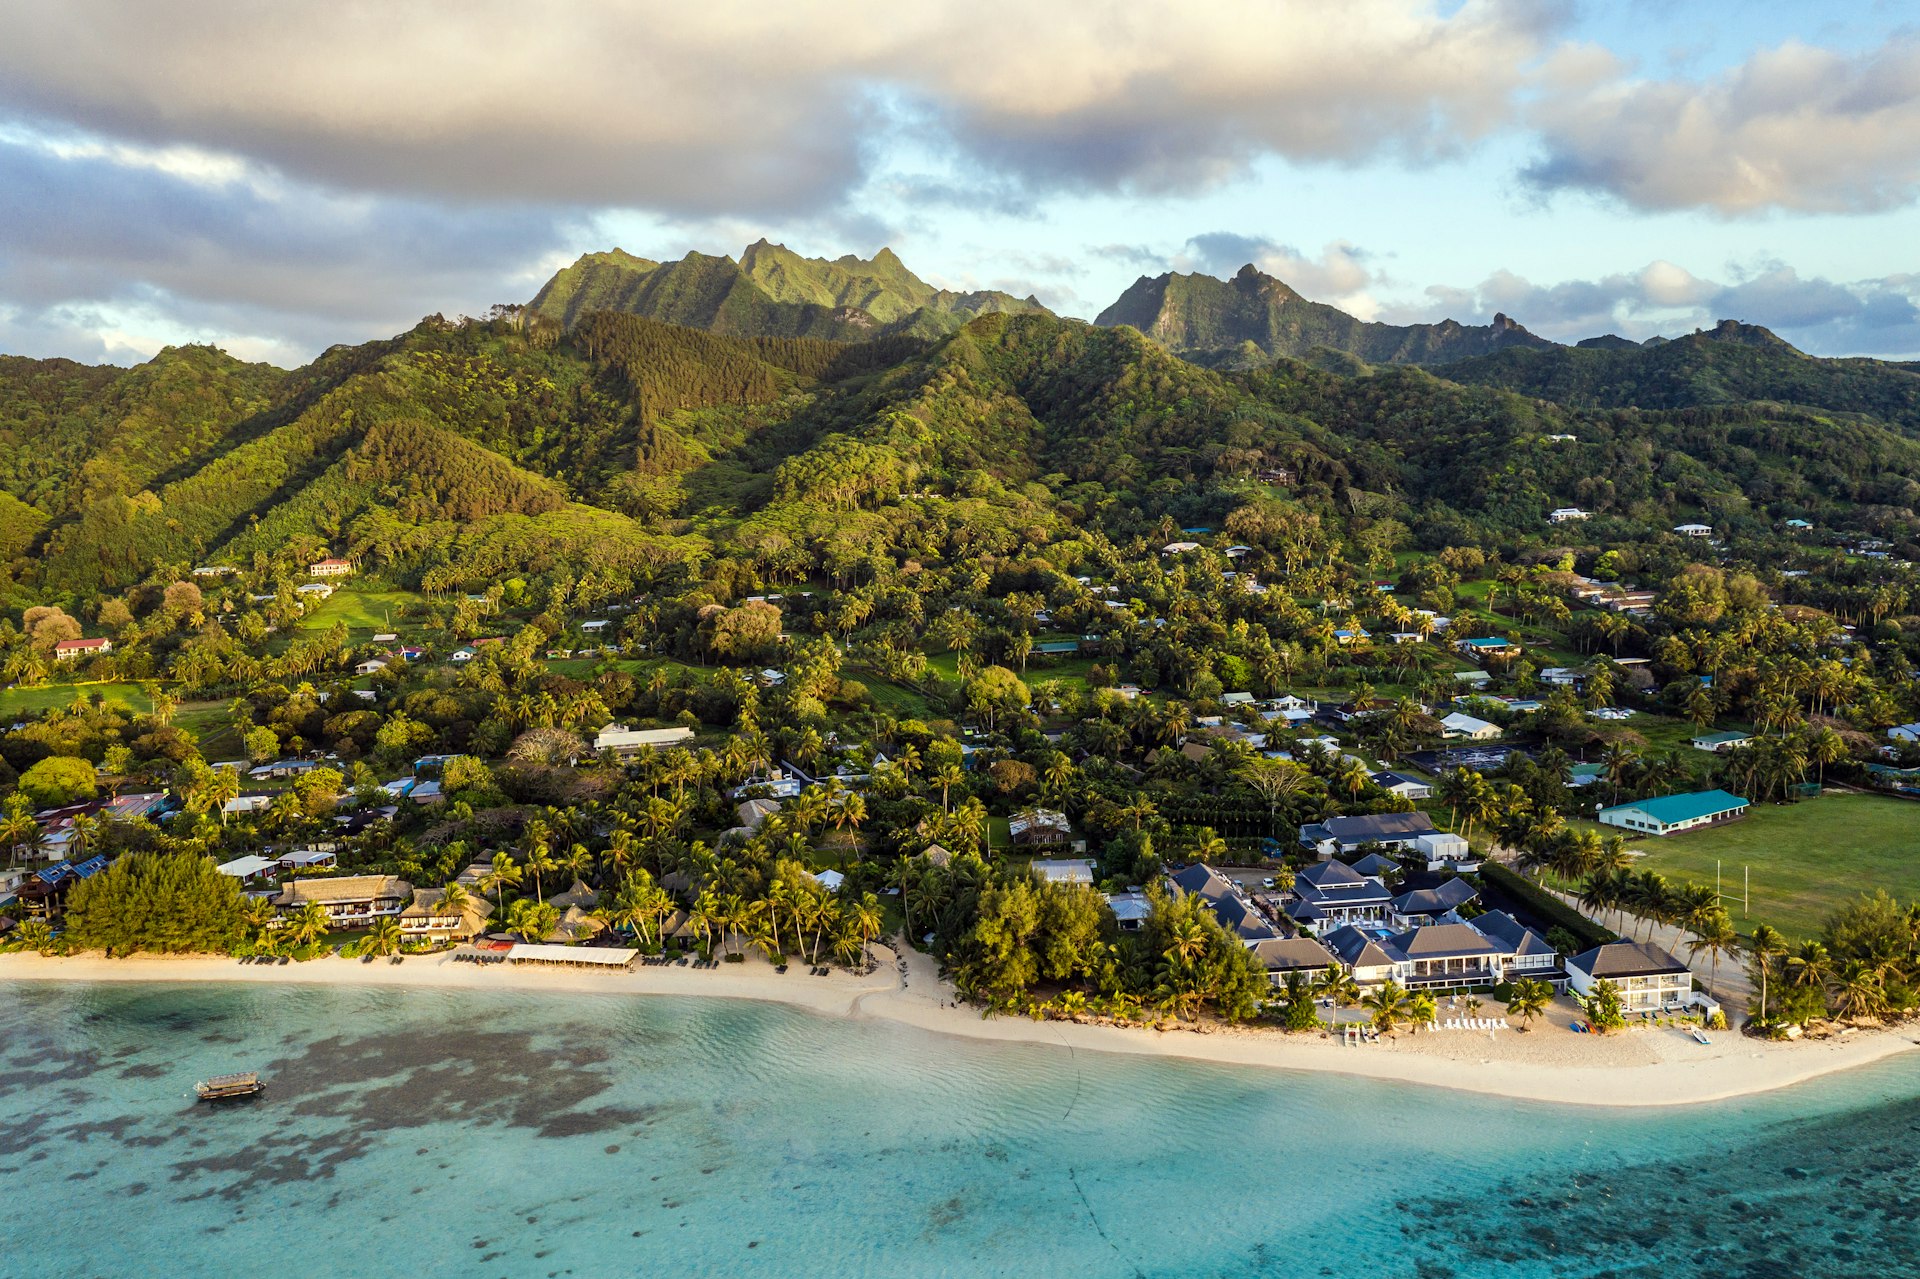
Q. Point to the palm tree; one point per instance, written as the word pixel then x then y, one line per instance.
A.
pixel 1857 990
pixel 946 777
pixel 539 861
pixel 1389 1005
pixel 1810 965
pixel 1528 998
pixel 503 874
pixel 383 938
pixel 222 788
pixel 1714 933
pixel 535 921
pixel 1767 942
pixel 308 924
pixel 35 935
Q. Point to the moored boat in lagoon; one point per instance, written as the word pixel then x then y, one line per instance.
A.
pixel 230 1087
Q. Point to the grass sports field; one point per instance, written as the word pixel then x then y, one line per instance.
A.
pixel 1806 858
pixel 16 701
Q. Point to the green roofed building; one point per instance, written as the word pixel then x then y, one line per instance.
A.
pixel 1671 814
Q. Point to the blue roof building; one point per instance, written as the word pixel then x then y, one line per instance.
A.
pixel 1671 814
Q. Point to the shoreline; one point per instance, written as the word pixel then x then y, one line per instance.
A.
pixel 1651 1067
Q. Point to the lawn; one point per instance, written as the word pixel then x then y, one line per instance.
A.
pixel 18 701
pixel 1807 858
pixel 365 613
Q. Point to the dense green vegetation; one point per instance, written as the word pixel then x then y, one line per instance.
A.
pixel 953 573
pixel 770 292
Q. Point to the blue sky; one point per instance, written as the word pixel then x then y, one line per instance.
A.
pixel 278 179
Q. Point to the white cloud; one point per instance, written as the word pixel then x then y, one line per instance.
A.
pixel 748 107
pixel 1821 316
pixel 1792 128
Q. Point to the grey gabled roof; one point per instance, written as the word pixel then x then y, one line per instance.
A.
pixel 1237 917
pixel 1360 829
pixel 1451 895
pixel 1329 875
pixel 1357 950
pixel 1442 941
pixel 1626 959
pixel 1516 938
pixel 1376 865
pixel 1202 880
pixel 1292 954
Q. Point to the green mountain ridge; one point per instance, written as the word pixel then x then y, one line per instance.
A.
pixel 770 292
pixel 1214 321
pixel 631 449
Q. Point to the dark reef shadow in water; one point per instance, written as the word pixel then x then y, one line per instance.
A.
pixel 1836 1197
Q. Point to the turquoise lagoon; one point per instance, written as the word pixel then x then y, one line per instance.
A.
pixel 427 1133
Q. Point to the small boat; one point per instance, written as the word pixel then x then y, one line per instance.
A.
pixel 229 1087
pixel 1700 1036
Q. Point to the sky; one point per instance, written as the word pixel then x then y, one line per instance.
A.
pixel 275 177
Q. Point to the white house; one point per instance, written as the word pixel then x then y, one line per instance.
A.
pixel 67 650
pixel 1720 743
pixel 1648 978
pixel 628 741
pixel 1560 515
pixel 1459 726
pixel 372 666
pixel 330 568
pixel 1064 870
pixel 1694 530
pixel 1404 785
pixel 1905 732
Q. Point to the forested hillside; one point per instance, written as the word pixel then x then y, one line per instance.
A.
pixel 445 453
pixel 1729 364
pixel 770 292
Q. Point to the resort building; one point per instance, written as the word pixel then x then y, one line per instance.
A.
pixel 1285 956
pixel 1330 895
pixel 352 901
pixel 1439 905
pixel 1560 515
pixel 1694 530
pixel 1671 814
pixel 425 918
pixel 1338 835
pixel 330 568
pixel 1648 978
pixel 1447 956
pixel 1445 850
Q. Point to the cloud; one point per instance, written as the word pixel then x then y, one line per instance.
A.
pixel 1793 128
pixel 95 231
pixel 1821 316
pixel 1340 273
pixel 743 108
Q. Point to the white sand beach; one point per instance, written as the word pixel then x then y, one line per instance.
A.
pixel 1640 1067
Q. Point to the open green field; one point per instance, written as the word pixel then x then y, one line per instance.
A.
pixel 17 701
pixel 366 613
pixel 1807 858
pixel 212 727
